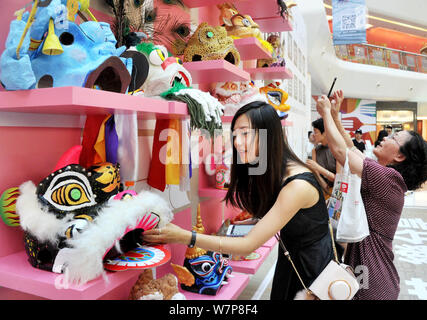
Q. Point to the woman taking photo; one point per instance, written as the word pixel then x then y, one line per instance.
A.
pixel 401 166
pixel 269 181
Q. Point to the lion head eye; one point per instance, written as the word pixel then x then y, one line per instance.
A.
pixel 69 191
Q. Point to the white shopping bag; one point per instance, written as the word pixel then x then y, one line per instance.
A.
pixel 352 223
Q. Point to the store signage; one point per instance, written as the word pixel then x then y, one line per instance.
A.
pixel 349 21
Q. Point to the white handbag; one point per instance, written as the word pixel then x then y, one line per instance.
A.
pixel 352 223
pixel 336 282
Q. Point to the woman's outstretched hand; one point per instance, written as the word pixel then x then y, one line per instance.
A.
pixel 171 233
pixel 323 106
pixel 338 98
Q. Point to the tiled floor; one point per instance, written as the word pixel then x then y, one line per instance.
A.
pixel 409 246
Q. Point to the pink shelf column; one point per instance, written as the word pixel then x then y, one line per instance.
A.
pixel 251 48
pixel 270 73
pixel 215 71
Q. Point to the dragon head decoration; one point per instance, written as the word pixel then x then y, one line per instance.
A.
pixel 204 272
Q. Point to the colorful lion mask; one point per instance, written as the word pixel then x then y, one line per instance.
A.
pixel 76 218
pixel 203 272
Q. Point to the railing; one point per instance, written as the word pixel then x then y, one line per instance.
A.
pixel 381 56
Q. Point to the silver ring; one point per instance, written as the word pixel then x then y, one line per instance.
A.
pixel 160 231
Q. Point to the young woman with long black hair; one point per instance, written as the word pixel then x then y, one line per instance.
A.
pixel 269 181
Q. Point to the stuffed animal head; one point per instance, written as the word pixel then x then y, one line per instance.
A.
pixel 211 43
pixel 76 217
pixel 165 71
pixel 72 197
pixel 233 95
pixel 237 24
pixel 147 288
pixel 276 98
pixel 57 52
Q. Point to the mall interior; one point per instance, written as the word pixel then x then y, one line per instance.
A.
pixel 71 68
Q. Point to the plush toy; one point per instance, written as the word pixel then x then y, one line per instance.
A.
pixel 167 78
pixel 203 272
pixel 240 25
pixel 74 218
pixel 147 288
pixel 276 59
pixel 211 43
pixel 277 98
pixel 57 52
pixel 233 95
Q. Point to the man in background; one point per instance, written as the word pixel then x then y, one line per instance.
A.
pixel 358 141
pixel 389 129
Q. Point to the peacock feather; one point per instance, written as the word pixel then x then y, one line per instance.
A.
pixel 8 207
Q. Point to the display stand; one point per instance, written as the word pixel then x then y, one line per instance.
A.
pixel 31 153
pixel 16 273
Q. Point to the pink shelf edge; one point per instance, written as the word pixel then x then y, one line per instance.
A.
pixel 251 266
pixel 16 273
pixel 273 24
pixel 230 291
pixel 66 100
pixel 251 48
pixel 215 71
pixel 264 73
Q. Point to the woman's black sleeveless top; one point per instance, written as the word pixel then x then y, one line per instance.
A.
pixel 306 236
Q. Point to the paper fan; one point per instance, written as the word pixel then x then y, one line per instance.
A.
pixel 142 257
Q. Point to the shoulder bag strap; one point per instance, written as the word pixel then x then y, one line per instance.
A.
pixel 287 255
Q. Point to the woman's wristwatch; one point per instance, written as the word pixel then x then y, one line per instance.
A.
pixel 193 239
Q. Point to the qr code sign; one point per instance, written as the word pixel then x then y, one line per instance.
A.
pixel 348 22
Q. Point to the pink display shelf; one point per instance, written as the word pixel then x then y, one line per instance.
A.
pixel 258 9
pixel 16 273
pixel 273 24
pixel 251 266
pixel 270 73
pixel 215 71
pixel 77 100
pixel 230 291
pixel 205 3
pixel 251 48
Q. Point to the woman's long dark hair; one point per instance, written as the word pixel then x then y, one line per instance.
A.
pixel 257 193
pixel 414 168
